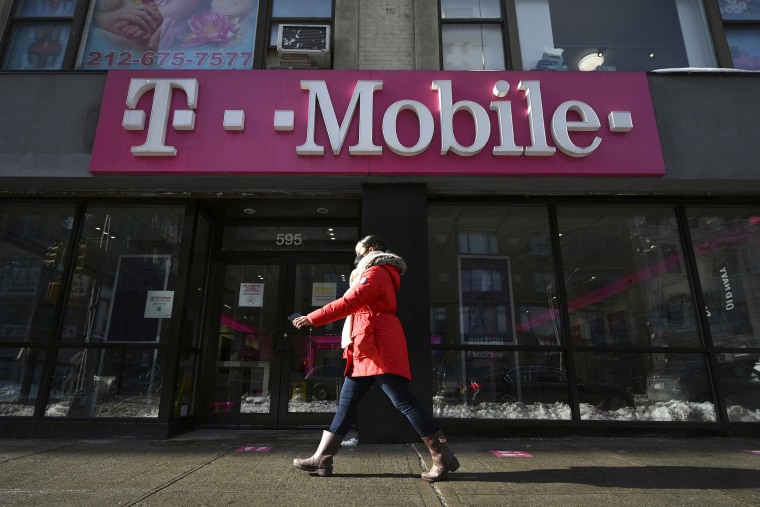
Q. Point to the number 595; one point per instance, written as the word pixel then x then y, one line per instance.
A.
pixel 288 239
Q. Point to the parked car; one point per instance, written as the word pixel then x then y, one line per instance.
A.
pixel 539 384
pixel 322 382
pixel 689 381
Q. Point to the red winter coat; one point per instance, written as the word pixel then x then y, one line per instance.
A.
pixel 379 343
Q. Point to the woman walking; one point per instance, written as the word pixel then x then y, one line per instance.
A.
pixel 375 351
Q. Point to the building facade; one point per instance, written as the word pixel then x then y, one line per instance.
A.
pixel 580 217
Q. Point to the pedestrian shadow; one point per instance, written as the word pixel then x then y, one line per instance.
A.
pixel 644 477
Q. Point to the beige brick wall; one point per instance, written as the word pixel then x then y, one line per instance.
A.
pixel 386 35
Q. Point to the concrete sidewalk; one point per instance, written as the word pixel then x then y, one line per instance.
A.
pixel 215 467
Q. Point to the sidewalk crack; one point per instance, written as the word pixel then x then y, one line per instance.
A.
pixel 424 468
pixel 179 478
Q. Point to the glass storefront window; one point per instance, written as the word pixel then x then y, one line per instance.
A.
pixel 491 273
pixel 32 252
pixel 20 375
pixel 497 384
pixel 740 382
pixel 92 382
pixel 127 260
pixel 728 259
pixel 625 278
pixel 677 387
pixel 620 35
pixel 492 287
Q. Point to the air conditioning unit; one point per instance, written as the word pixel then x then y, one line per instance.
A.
pixel 303 46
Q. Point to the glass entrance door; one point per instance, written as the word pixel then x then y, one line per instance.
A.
pixel 265 371
pixel 315 366
pixel 248 335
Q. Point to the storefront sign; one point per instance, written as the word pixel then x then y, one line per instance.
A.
pixel 158 304
pixel 377 122
pixel 323 293
pixel 251 295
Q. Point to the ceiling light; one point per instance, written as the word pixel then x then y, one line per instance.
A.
pixel 590 62
pixel 322 211
pixel 249 211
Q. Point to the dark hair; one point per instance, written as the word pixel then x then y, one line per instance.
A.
pixel 374 241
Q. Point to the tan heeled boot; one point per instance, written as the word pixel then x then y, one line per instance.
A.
pixel 322 460
pixel 444 460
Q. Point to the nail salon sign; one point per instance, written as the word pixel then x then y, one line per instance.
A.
pixel 377 123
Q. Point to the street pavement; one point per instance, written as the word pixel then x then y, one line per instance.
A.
pixel 254 467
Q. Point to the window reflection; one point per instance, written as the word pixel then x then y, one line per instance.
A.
pixel 740 383
pixel 302 9
pixel 473 47
pixel 20 375
pixel 728 259
pixel 126 265
pixel 625 278
pixel 32 251
pixel 482 285
pixel 744 43
pixel 46 8
pixel 678 388
pixel 90 382
pixel 37 46
pixel 497 384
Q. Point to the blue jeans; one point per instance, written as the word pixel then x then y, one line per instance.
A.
pixel 397 388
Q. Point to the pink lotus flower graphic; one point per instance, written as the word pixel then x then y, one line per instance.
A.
pixel 210 27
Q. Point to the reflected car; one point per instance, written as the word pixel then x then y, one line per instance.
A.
pixel 538 384
pixel 689 381
pixel 322 382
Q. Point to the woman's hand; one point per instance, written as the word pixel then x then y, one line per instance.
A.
pixel 302 321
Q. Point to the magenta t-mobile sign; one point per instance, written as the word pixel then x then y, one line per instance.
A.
pixel 377 123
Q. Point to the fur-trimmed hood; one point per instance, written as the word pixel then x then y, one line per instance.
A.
pixel 379 258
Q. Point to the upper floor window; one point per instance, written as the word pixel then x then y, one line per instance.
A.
pixel 610 35
pixel 169 34
pixel 151 34
pixel 39 35
pixel 741 20
pixel 473 35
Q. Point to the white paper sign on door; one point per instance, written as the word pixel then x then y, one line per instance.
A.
pixel 158 304
pixel 323 293
pixel 251 294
